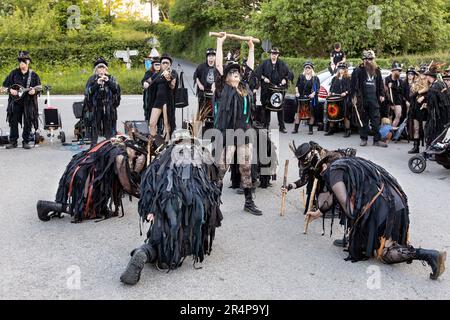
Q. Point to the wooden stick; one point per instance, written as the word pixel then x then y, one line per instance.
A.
pixel 283 194
pixel 311 200
pixel 234 37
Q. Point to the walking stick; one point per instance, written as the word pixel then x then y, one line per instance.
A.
pixel 283 194
pixel 357 114
pixel 311 200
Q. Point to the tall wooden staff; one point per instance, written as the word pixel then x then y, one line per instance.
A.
pixel 283 194
pixel 311 200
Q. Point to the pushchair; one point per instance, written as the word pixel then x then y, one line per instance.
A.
pixel 439 151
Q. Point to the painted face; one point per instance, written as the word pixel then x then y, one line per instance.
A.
pixel 274 56
pixel 101 70
pixel 23 64
pixel 211 60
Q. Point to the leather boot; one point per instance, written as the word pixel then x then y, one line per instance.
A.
pixel 46 209
pixel 132 273
pixel 249 204
pixel 296 125
pixel 348 133
pixel 310 132
pixel 434 258
pixel 330 132
pixel 415 148
pixel 12 145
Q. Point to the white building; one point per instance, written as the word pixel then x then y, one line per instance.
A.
pixel 141 9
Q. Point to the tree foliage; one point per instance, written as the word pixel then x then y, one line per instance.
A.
pixel 311 27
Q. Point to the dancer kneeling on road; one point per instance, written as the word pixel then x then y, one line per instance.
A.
pixel 375 210
pixel 180 198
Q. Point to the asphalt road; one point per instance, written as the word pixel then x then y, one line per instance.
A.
pixel 265 257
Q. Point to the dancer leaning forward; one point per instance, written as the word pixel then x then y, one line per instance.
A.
pixel 374 208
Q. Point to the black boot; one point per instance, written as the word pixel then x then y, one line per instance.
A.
pixel 12 145
pixel 348 133
pixel 47 209
pixel 296 125
pixel 330 132
pixel 249 204
pixel 132 273
pixel 415 148
pixel 310 129
pixel 435 259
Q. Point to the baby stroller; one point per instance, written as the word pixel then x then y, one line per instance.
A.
pixel 439 151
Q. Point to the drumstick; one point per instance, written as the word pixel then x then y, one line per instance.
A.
pixel 234 37
pixel 311 199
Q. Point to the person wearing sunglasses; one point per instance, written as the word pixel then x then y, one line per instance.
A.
pixel 102 98
pixel 149 90
pixel 367 92
pixel 233 104
pixel 25 109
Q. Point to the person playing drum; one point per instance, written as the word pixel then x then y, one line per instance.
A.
pixel 308 85
pixel 340 87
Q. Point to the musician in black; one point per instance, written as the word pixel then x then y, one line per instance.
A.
pixel 336 56
pixel 102 97
pixel 308 86
pixel 22 110
pixel 367 92
pixel 165 83
pixel 340 86
pixel 394 86
pixel 273 72
pixel 204 77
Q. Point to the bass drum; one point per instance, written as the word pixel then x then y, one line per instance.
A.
pixel 304 108
pixel 335 109
pixel 276 100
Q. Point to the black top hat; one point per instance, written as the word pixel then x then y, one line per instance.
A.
pixel 210 51
pixel 342 65
pixel 396 66
pixel 231 67
pixel 308 63
pixel 156 60
pixel 412 70
pixel 100 60
pixel 302 150
pixel 275 50
pixel 24 55
pixel 166 56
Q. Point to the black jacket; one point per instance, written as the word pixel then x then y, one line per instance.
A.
pixel 359 77
pixel 30 103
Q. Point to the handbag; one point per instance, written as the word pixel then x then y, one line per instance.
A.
pixel 181 94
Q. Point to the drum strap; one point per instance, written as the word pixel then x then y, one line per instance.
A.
pixel 29 78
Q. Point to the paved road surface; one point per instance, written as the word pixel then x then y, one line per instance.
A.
pixel 264 257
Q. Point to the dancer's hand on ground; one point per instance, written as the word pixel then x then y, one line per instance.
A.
pixel 150 217
pixel 313 215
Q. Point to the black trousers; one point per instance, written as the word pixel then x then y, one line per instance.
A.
pixel 371 113
pixel 14 121
pixel 280 116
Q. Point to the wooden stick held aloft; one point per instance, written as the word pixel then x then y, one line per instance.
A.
pixel 234 37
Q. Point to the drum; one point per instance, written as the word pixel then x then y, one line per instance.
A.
pixel 206 110
pixel 335 108
pixel 304 108
pixel 276 99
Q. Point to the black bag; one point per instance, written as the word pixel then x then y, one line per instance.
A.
pixel 4 138
pixel 181 94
